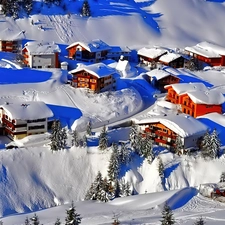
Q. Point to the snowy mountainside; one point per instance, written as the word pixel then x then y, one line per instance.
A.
pixel 127 23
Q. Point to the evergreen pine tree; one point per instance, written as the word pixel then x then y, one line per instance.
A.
pixel 84 141
pixel 15 9
pixel 7 7
pixel 127 189
pixel 113 168
pixel 161 169
pixel 103 139
pixel 179 147
pixel 72 217
pixel 55 136
pixel 147 151
pixel 205 145
pixel 167 216
pixel 133 137
pixel 124 188
pixel 215 144
pixel 26 222
pixel 63 138
pixel 124 154
pixel 57 222
pixel 28 5
pixel 222 177
pixel 85 11
pixel 199 221
pixel 89 128
pixel 75 139
pixel 117 192
pixel 34 220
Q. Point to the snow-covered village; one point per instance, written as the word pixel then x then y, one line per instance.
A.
pixel 112 112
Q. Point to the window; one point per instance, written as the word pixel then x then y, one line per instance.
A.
pixel 36 127
pixel 34 121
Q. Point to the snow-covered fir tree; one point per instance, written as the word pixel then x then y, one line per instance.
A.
pixel 72 217
pixel 179 147
pixel 124 188
pixel 57 222
pixel 89 128
pixel 27 222
pixel 206 145
pixel 199 221
pixel 215 144
pixel 124 154
pixel 63 138
pixel 167 216
pixel 103 139
pixel 117 189
pixel 98 190
pixel 133 137
pixel 86 11
pixel 7 7
pixel 222 177
pixel 161 168
pixel 55 136
pixel 84 141
pixel 34 220
pixel 28 6
pixel 75 139
pixel 114 166
pixel 147 148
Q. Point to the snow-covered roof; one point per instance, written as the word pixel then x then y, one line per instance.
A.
pixel 169 57
pixel 123 65
pixel 183 88
pixel 92 46
pixel 207 50
pixel 11 35
pixel 152 52
pixel 181 124
pixel 215 117
pixel 209 97
pixel 41 48
pixel 30 110
pixel 98 69
pixel 158 74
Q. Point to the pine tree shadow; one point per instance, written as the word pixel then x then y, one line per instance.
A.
pixel 170 169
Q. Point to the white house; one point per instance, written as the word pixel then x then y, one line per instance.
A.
pixel 41 55
pixel 24 118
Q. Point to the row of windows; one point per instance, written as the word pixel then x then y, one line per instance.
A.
pixel 36 127
pixel 34 121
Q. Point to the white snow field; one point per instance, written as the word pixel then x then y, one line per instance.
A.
pixel 33 179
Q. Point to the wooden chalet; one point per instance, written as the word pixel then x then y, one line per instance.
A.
pixel 159 78
pixel 96 77
pixel 41 55
pixel 94 51
pixel 150 56
pixel 165 129
pixel 211 54
pixel 195 99
pixel 172 59
pixel 11 41
pixel 22 119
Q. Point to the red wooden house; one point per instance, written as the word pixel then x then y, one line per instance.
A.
pixel 150 56
pixel 96 77
pixel 159 78
pixel 195 99
pixel 11 41
pixel 93 51
pixel 213 55
pixel 165 129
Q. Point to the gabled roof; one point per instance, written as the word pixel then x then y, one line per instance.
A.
pixel 98 69
pixel 181 124
pixel 207 50
pixel 30 110
pixel 152 52
pixel 169 57
pixel 92 46
pixel 183 88
pixel 159 74
pixel 11 35
pixel 119 49
pixel 209 97
pixel 41 48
